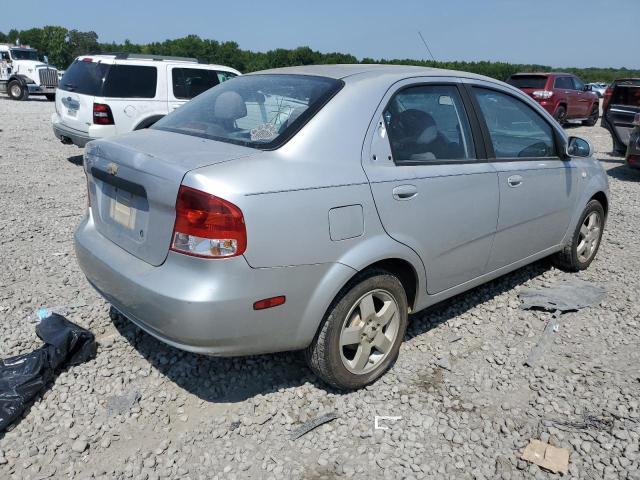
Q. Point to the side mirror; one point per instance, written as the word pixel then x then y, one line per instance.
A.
pixel 578 147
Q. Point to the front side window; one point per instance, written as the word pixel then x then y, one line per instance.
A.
pixel 428 123
pixel 577 84
pixel 191 82
pixel 260 111
pixel 516 130
pixel 24 54
pixel 131 81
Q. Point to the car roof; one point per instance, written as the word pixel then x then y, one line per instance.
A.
pixel 545 74
pixel 113 58
pixel 341 71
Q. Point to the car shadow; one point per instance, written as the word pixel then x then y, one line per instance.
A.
pixel 624 173
pixel 76 160
pixel 451 308
pixel 230 380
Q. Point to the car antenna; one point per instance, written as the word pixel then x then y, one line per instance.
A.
pixel 426 45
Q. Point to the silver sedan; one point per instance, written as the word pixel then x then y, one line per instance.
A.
pixel 313 208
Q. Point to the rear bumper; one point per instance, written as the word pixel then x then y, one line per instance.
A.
pixel 205 306
pixel 79 138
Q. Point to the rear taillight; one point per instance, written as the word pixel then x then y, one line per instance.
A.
pixel 636 120
pixel 102 114
pixel 542 94
pixel 207 226
pixel 607 97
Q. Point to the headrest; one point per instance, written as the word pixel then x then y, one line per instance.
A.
pixel 419 125
pixel 229 106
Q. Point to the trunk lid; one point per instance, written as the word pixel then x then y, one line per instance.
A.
pixel 134 181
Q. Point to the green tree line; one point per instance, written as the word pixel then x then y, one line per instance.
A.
pixel 62 45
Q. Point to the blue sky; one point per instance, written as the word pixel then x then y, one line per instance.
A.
pixel 550 32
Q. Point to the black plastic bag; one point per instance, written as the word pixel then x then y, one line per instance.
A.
pixel 23 376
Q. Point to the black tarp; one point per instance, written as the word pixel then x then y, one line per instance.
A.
pixel 23 376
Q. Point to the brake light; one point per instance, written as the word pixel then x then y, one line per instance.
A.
pixel 87 59
pixel 102 114
pixel 542 94
pixel 207 226
pixel 607 97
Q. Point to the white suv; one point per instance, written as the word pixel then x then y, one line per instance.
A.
pixel 104 95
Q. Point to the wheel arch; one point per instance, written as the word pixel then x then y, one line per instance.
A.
pixel 601 197
pixel 148 121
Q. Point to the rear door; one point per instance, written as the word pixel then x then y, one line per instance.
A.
pixel 184 83
pixel 537 188
pixel 80 84
pixel 433 188
pixel 622 108
pixel 567 90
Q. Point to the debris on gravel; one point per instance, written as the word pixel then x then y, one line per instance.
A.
pixel 467 404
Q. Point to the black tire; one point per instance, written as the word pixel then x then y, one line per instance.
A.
pixel 593 116
pixel 568 259
pixel 561 115
pixel 51 97
pixel 325 354
pixel 17 91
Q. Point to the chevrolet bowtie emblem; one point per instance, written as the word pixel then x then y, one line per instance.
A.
pixel 112 169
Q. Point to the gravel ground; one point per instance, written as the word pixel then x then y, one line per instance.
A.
pixel 144 410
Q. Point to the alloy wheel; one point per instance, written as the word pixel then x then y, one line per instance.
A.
pixel 589 237
pixel 369 331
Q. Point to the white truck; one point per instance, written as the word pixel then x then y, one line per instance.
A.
pixel 23 74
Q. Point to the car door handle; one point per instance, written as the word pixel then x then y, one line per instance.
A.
pixel 514 180
pixel 405 192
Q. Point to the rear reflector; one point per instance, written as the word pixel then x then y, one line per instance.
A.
pixel 269 302
pixel 102 114
pixel 207 226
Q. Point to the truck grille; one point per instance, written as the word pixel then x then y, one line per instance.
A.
pixel 48 77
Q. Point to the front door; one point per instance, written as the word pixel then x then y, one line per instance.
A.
pixel 583 98
pixel 538 189
pixel 433 188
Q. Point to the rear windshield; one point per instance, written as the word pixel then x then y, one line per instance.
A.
pixel 527 81
pixel 260 111
pixel 84 77
pixel 115 81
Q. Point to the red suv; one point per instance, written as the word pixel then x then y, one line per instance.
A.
pixel 563 95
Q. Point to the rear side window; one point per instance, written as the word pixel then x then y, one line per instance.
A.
pixel 516 130
pixel 564 82
pixel 84 77
pixel 131 81
pixel 428 123
pixel 191 82
pixel 528 81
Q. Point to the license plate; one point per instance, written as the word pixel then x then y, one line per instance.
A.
pixel 121 211
pixel 71 112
